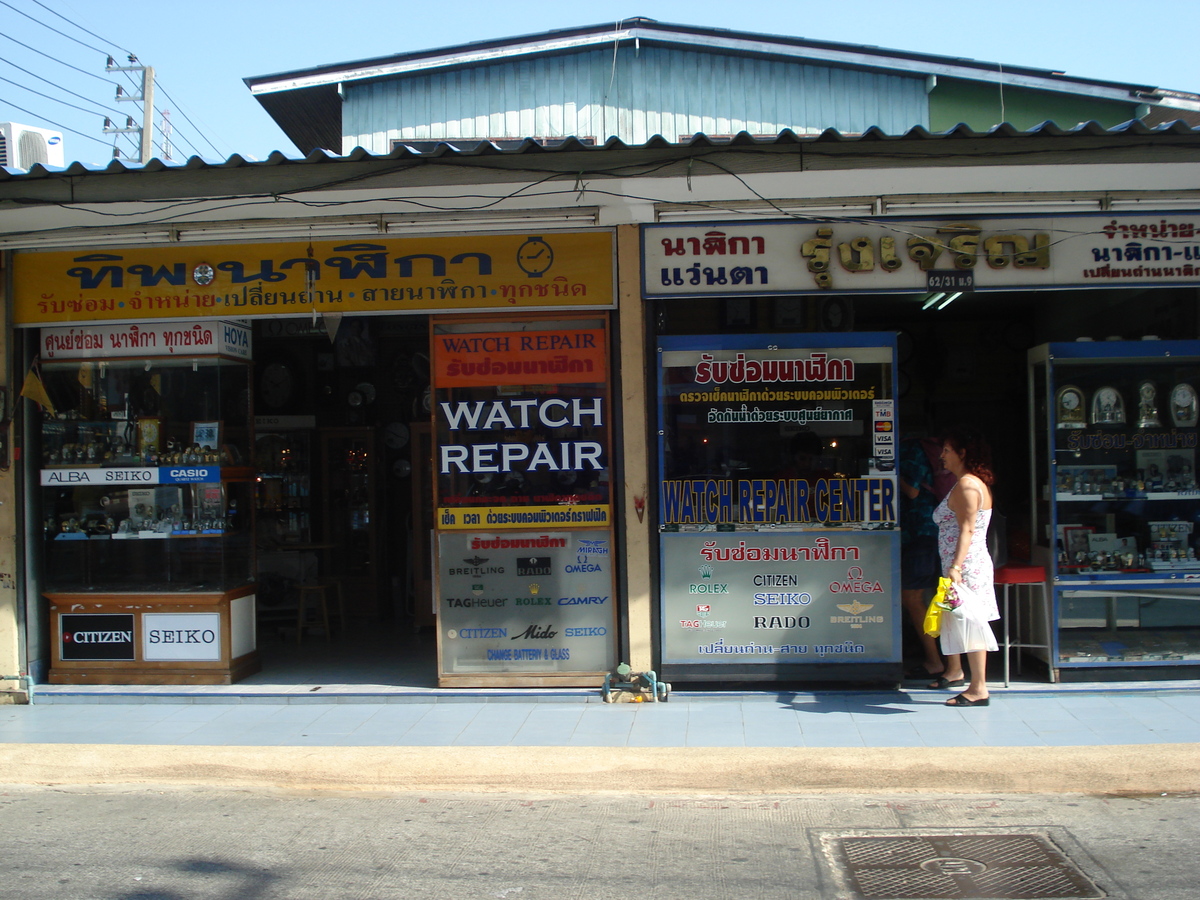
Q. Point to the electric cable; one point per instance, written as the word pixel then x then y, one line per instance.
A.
pixel 55 59
pixel 55 124
pixel 128 75
pixel 44 25
pixel 56 100
pixel 81 28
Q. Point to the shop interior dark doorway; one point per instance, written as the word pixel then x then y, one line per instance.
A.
pixel 343 501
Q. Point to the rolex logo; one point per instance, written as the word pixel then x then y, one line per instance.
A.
pixel 706 571
pixel 534 589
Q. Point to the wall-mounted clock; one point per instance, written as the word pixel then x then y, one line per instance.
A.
pixel 395 436
pixel 277 384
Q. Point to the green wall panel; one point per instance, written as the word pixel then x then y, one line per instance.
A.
pixel 978 106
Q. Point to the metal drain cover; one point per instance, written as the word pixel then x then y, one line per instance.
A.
pixel 974 866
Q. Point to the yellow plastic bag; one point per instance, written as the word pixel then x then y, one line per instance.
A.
pixel 937 606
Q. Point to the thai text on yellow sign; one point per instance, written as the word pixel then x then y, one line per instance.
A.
pixel 387 275
pixel 460 518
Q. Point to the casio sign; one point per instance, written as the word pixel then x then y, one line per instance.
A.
pixel 189 473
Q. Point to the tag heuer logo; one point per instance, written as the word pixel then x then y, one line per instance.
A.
pixel 477 589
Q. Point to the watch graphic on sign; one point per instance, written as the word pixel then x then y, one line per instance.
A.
pixel 535 257
pixel 203 274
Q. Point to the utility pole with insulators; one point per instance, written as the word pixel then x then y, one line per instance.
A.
pixel 147 101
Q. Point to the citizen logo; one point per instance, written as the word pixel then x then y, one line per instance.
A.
pixel 97 637
pixel 533 565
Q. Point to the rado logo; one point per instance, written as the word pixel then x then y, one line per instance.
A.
pixel 533 565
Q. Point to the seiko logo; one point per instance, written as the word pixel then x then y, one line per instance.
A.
pixel 183 636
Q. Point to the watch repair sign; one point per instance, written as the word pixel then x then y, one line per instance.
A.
pixel 522 427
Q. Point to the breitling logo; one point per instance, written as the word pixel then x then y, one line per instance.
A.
pixel 855 608
pixel 475 561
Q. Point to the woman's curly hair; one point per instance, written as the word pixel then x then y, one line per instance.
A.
pixel 975 452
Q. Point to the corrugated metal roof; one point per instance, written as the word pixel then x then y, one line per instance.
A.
pixel 648 29
pixel 305 102
pixel 452 153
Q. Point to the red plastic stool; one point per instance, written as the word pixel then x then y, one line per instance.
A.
pixel 1029 577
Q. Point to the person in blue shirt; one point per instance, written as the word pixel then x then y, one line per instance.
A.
pixel 919 565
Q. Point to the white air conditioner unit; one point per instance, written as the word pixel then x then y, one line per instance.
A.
pixel 24 146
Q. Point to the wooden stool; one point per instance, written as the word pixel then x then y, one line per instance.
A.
pixel 1029 577
pixel 320 590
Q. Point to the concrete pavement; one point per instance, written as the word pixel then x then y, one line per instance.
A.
pixel 1097 740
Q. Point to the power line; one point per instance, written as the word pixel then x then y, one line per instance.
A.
pixel 128 75
pixel 44 25
pixel 55 124
pixel 80 27
pixel 54 99
pixel 183 113
pixel 55 59
pixel 48 81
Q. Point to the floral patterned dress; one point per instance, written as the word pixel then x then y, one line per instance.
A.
pixel 967 629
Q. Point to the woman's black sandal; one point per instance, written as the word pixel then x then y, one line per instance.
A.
pixel 941 683
pixel 964 700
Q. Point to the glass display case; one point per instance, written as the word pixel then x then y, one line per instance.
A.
pixel 147 509
pixel 1116 500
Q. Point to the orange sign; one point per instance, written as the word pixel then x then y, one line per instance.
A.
pixel 519 357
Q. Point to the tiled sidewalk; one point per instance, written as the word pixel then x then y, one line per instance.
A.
pixel 1075 716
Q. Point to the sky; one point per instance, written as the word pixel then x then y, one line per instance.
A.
pixel 201 51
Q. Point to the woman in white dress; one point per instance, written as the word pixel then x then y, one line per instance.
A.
pixel 962 519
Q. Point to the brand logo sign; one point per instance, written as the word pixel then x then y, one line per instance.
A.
pixel 533 565
pixel 181 636
pixel 96 636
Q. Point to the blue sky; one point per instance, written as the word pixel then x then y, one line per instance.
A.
pixel 201 51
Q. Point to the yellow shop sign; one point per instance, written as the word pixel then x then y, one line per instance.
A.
pixel 547 270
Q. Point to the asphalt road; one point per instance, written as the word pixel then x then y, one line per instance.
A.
pixel 147 842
